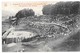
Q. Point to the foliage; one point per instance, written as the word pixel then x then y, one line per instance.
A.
pixel 25 13
pixel 64 8
pixel 47 9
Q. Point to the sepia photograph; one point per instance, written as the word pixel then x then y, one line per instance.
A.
pixel 40 26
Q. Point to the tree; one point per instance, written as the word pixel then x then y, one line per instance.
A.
pixel 75 7
pixel 65 8
pixel 24 13
pixel 47 9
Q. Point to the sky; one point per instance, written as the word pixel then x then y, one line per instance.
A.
pixel 14 7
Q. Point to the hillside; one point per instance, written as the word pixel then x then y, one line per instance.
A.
pixel 58 29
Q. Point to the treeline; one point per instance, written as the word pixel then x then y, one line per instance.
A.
pixel 64 8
